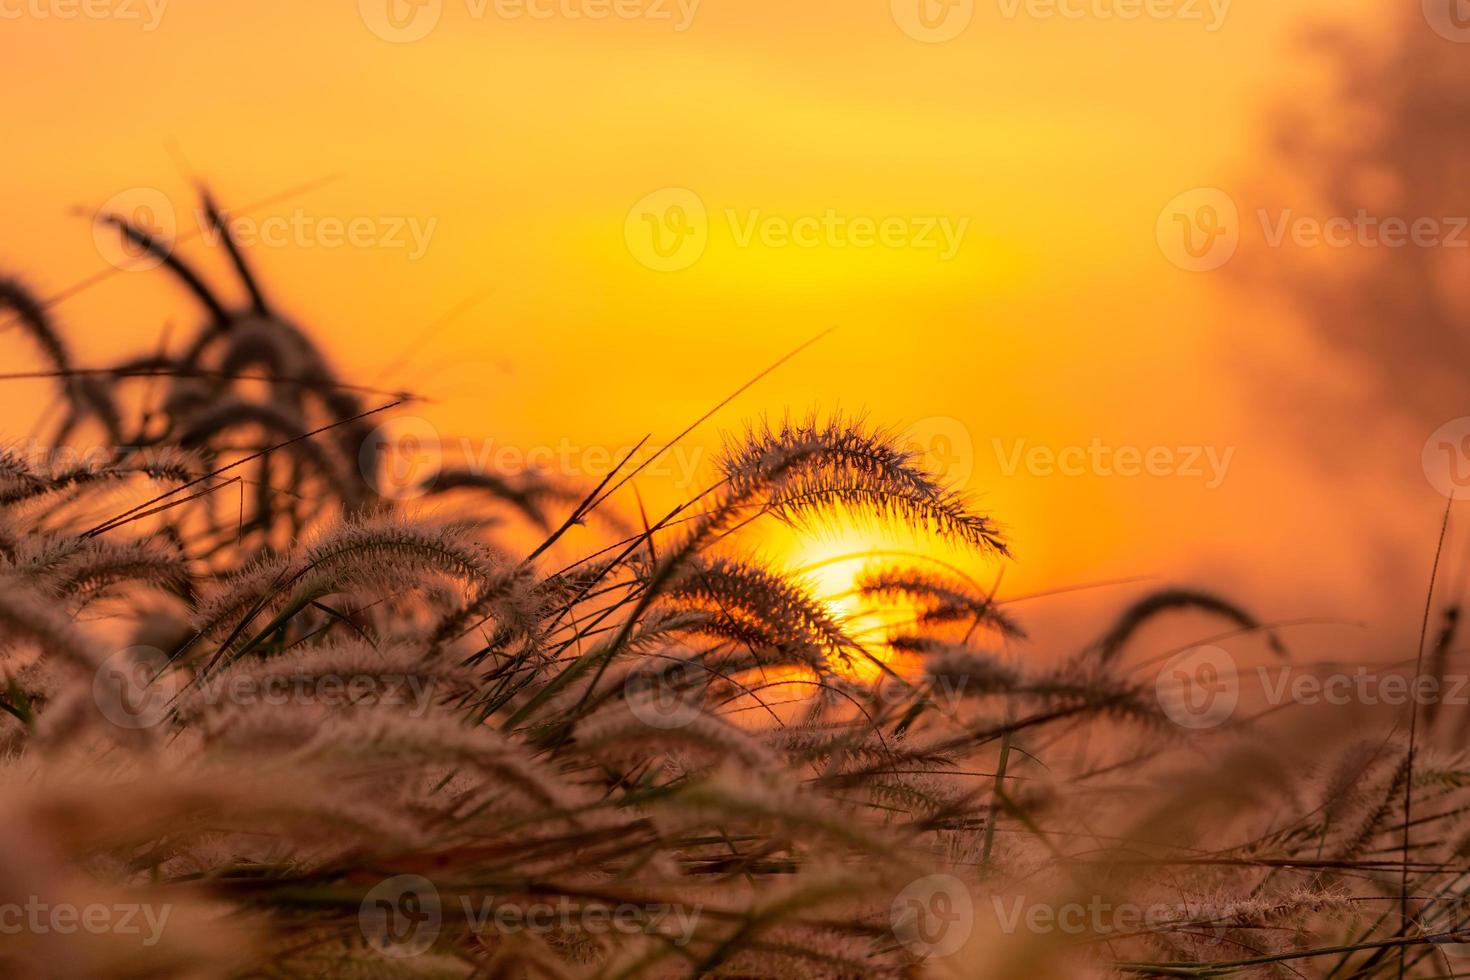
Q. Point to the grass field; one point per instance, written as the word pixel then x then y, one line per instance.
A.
pixel 287 696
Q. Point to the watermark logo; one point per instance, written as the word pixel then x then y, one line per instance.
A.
pixel 401 917
pixel 834 230
pixel 943 448
pixel 1208 464
pixel 1199 688
pixel 1443 921
pixel 1446 459
pixel 401 21
pixel 1100 917
pixel 1361 229
pixel 134 687
pixel 1199 230
pixel 668 230
pixel 676 924
pixel 934 916
pixel 401 458
pixel 407 21
pixel 39 918
pixel 933 21
pixel 299 228
pixel 147 14
pixel 663 695
pixel 679 13
pixel 1363 687
pixel 150 211
pixel 1210 13
pixel 1450 19
pixel 414 692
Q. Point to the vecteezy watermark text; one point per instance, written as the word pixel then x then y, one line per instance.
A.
pixel 152 213
pixel 397 690
pixel 1210 13
pixel 407 21
pixel 669 230
pixel 299 228
pixel 147 14
pixel 1201 687
pixel 39 917
pixel 404 458
pixel 937 21
pixel 1208 463
pixel 402 916
pixel 1201 229
pixel 136 688
pixel 1097 916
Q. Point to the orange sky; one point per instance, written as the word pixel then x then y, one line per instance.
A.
pixel 517 147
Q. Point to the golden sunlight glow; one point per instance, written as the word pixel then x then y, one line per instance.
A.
pixel 832 565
